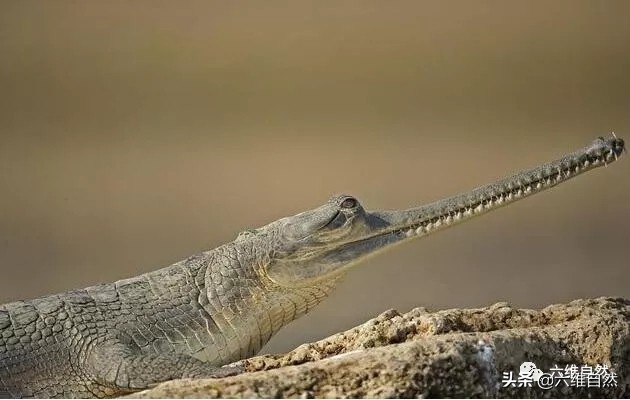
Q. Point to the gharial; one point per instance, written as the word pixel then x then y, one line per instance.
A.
pixel 202 313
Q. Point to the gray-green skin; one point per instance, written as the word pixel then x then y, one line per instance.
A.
pixel 191 318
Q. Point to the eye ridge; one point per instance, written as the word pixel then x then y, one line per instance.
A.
pixel 349 203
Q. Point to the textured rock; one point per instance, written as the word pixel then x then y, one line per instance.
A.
pixel 450 353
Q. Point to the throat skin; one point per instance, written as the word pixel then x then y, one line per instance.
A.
pixel 190 319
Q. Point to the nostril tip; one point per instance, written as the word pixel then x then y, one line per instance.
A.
pixel 619 145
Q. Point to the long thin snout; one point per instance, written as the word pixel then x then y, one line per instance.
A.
pixel 447 212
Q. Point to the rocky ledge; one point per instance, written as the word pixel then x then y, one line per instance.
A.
pixel 450 353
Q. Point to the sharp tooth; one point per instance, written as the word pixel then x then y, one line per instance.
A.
pixel 428 226
pixel 420 230
pixel 586 163
pixel 509 196
pixel 577 168
pixel 458 215
pixel 448 219
pixel 538 185
pixel 479 208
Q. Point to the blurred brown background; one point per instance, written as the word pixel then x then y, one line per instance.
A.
pixel 133 134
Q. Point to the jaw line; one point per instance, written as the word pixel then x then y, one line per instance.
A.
pixel 350 252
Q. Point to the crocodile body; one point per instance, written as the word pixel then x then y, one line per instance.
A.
pixel 192 318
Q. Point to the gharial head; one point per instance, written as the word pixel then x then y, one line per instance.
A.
pixel 320 244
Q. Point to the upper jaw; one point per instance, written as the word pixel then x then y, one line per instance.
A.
pixel 369 233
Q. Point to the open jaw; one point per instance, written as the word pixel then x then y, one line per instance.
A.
pixel 385 228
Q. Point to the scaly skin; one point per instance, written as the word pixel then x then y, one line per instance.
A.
pixel 191 318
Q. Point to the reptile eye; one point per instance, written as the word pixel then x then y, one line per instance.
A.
pixel 349 203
